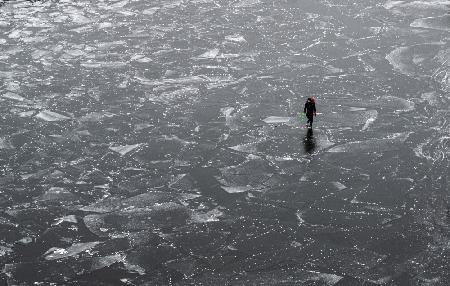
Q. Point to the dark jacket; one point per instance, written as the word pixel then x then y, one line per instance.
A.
pixel 310 108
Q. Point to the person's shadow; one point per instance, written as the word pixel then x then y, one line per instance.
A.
pixel 309 142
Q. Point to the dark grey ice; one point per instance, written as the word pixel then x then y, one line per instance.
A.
pixel 163 143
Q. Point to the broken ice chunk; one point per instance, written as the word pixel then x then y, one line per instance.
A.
pixel 211 54
pixel 48 115
pixel 106 261
pixel 212 215
pixel 57 194
pixel 300 218
pixel 251 147
pixel 5 250
pixel 69 218
pixel 26 113
pixel 372 116
pixel 237 189
pixel 5 144
pixel 372 145
pixel 276 119
pixel 150 11
pixel 75 249
pixel 13 96
pixel 122 150
pixel 25 240
pixel 246 3
pixel 96 116
pixel 83 133
pixel 339 186
pixel 235 38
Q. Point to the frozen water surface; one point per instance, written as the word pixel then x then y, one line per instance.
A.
pixel 162 142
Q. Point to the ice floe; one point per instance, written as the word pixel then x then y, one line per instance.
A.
pixel 246 3
pixel 5 144
pixel 437 23
pixel 124 149
pixel 211 54
pixel 13 96
pixel 235 38
pixel 276 119
pixel 372 117
pixel 51 116
pixel 373 145
pixel 339 186
pixel 75 249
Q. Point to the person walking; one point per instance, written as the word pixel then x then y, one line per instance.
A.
pixel 310 110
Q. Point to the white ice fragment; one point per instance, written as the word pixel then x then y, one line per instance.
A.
pixel 26 240
pixel 26 113
pixel 105 25
pixel 328 279
pixel 339 186
pixel 300 219
pixel 212 215
pixel 357 108
pixel 83 133
pixel 246 3
pixel 211 54
pixel 391 4
pixel 69 218
pixel 150 11
pixel 133 267
pixel 296 244
pixel 5 144
pixel 96 65
pixel 237 189
pixel 15 34
pixel 398 62
pixel 373 114
pixel 401 104
pixel 235 38
pixel 372 145
pixel 96 116
pixel 122 150
pixel 48 115
pixel 13 96
pixel 276 119
pixel 79 19
pixel 5 250
pixel 75 53
pixel 75 249
pixel 226 111
pixel 142 126
pixel 103 187
pixel 246 147
pixel 134 169
pixel 106 261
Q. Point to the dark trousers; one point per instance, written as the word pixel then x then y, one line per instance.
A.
pixel 310 119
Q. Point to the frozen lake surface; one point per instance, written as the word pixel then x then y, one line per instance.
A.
pixel 161 142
